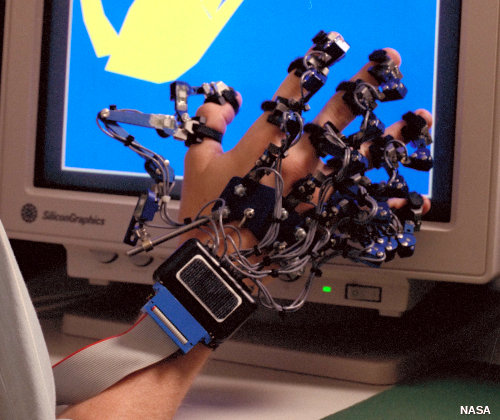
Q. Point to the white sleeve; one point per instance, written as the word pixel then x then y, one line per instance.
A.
pixel 26 382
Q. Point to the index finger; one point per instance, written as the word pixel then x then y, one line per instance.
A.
pixel 262 132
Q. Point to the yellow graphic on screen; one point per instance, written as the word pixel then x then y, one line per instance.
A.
pixel 159 40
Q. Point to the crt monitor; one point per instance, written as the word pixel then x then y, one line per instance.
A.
pixel 63 181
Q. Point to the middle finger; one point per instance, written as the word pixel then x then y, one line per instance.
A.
pixel 302 158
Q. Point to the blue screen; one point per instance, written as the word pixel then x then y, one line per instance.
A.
pixel 250 50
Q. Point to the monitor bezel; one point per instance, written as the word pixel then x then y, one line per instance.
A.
pixel 464 250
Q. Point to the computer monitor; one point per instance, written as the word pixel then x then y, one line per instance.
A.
pixel 63 181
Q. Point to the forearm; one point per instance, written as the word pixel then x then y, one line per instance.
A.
pixel 153 393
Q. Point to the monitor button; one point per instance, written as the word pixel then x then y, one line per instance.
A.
pixel 364 293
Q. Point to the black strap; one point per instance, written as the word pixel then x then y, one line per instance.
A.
pixel 379 56
pixel 348 86
pixel 200 131
pixel 268 105
pixel 298 66
pixel 204 131
pixel 314 129
pixel 229 96
pixel 415 125
pixel 291 104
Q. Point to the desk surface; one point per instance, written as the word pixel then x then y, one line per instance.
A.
pixel 232 391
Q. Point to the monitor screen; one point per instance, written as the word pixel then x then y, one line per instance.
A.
pixel 95 56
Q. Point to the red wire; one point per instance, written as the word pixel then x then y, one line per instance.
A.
pixel 100 341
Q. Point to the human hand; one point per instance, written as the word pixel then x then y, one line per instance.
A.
pixel 209 169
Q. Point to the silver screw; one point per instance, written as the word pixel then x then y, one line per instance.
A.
pixel 240 190
pixel 249 213
pixel 300 234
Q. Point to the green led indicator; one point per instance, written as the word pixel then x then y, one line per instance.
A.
pixel 327 289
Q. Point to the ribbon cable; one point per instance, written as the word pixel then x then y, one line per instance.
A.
pixel 96 367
